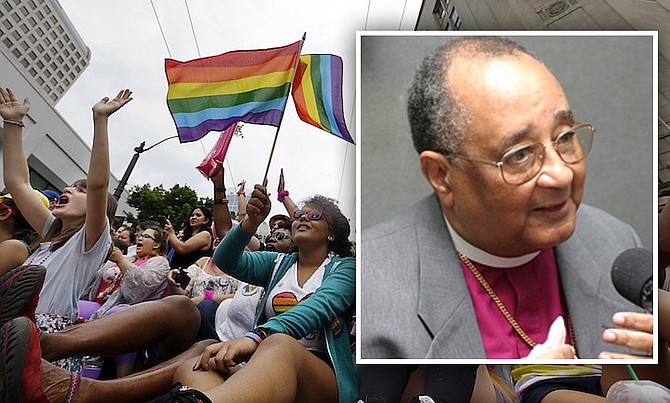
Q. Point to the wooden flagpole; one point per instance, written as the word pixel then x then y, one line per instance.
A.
pixel 274 143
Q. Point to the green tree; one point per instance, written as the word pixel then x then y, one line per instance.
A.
pixel 157 203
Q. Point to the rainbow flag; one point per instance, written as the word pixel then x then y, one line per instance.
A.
pixel 212 93
pixel 317 93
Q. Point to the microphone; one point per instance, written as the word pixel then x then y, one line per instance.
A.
pixel 632 276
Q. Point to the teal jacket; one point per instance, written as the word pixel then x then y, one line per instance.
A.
pixel 329 308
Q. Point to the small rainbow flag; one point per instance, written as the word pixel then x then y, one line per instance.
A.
pixel 212 93
pixel 317 93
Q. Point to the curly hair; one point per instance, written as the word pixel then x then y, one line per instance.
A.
pixel 339 224
pixel 437 118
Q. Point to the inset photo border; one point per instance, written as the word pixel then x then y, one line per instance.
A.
pixel 413 304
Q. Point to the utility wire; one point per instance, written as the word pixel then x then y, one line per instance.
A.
pixel 195 38
pixel 161 28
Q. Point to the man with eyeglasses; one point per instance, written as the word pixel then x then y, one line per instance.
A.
pixel 502 249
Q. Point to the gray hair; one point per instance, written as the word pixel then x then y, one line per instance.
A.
pixel 437 118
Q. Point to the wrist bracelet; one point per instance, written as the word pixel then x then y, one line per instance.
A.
pixel 253 336
pixel 220 201
pixel 241 194
pixel 14 122
pixel 208 294
pixel 281 195
pixel 220 189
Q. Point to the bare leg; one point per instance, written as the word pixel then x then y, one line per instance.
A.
pixel 281 370
pixel 173 322
pixel 569 396
pixel 142 386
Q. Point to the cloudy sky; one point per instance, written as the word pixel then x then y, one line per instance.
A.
pixel 128 51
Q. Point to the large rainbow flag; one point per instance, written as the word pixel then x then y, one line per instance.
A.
pixel 317 93
pixel 212 93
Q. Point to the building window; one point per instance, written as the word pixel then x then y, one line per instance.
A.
pixel 60 28
pixel 53 81
pixel 47 72
pixel 53 66
pixel 24 45
pixel 47 57
pixel 66 67
pixel 16 53
pixel 24 10
pixel 72 76
pixel 46 25
pixel 59 74
pixel 7 6
pixel 16 35
pixel 40 65
pixel 66 37
pixel 67 82
pixel 25 63
pixel 16 17
pixel 40 48
pixel 32 71
pixel 59 59
pixel 7 24
pixel 59 43
pixel 47 9
pixel 40 15
pixel 53 50
pixel 24 28
pixel 40 31
pixel 40 81
pixel 54 97
pixel 67 52
pixel 77 69
pixel 53 19
pixel 60 89
pixel 72 46
pixel 7 42
pixel 32 4
pixel 47 88
pixel 32 38
pixel 47 40
pixel 32 21
pixel 53 34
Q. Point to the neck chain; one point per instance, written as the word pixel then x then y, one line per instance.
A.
pixel 504 310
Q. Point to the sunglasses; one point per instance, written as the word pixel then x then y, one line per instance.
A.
pixel 311 214
pixel 279 236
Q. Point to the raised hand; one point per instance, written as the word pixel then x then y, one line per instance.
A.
pixel 258 206
pixel 280 186
pixel 106 107
pixel 10 107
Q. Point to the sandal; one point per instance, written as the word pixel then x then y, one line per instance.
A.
pixel 19 292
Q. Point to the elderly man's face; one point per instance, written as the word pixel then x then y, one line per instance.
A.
pixel 511 101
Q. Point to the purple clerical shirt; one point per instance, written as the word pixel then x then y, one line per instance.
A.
pixel 530 292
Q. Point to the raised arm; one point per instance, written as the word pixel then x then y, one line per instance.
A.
pixel 97 181
pixel 241 201
pixel 283 197
pixel 15 165
pixel 222 221
pixel 196 242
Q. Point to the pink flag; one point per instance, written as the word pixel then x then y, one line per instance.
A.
pixel 210 165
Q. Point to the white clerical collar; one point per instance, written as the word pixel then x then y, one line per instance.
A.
pixel 480 256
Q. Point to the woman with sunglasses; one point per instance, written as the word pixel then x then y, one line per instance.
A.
pixel 299 346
